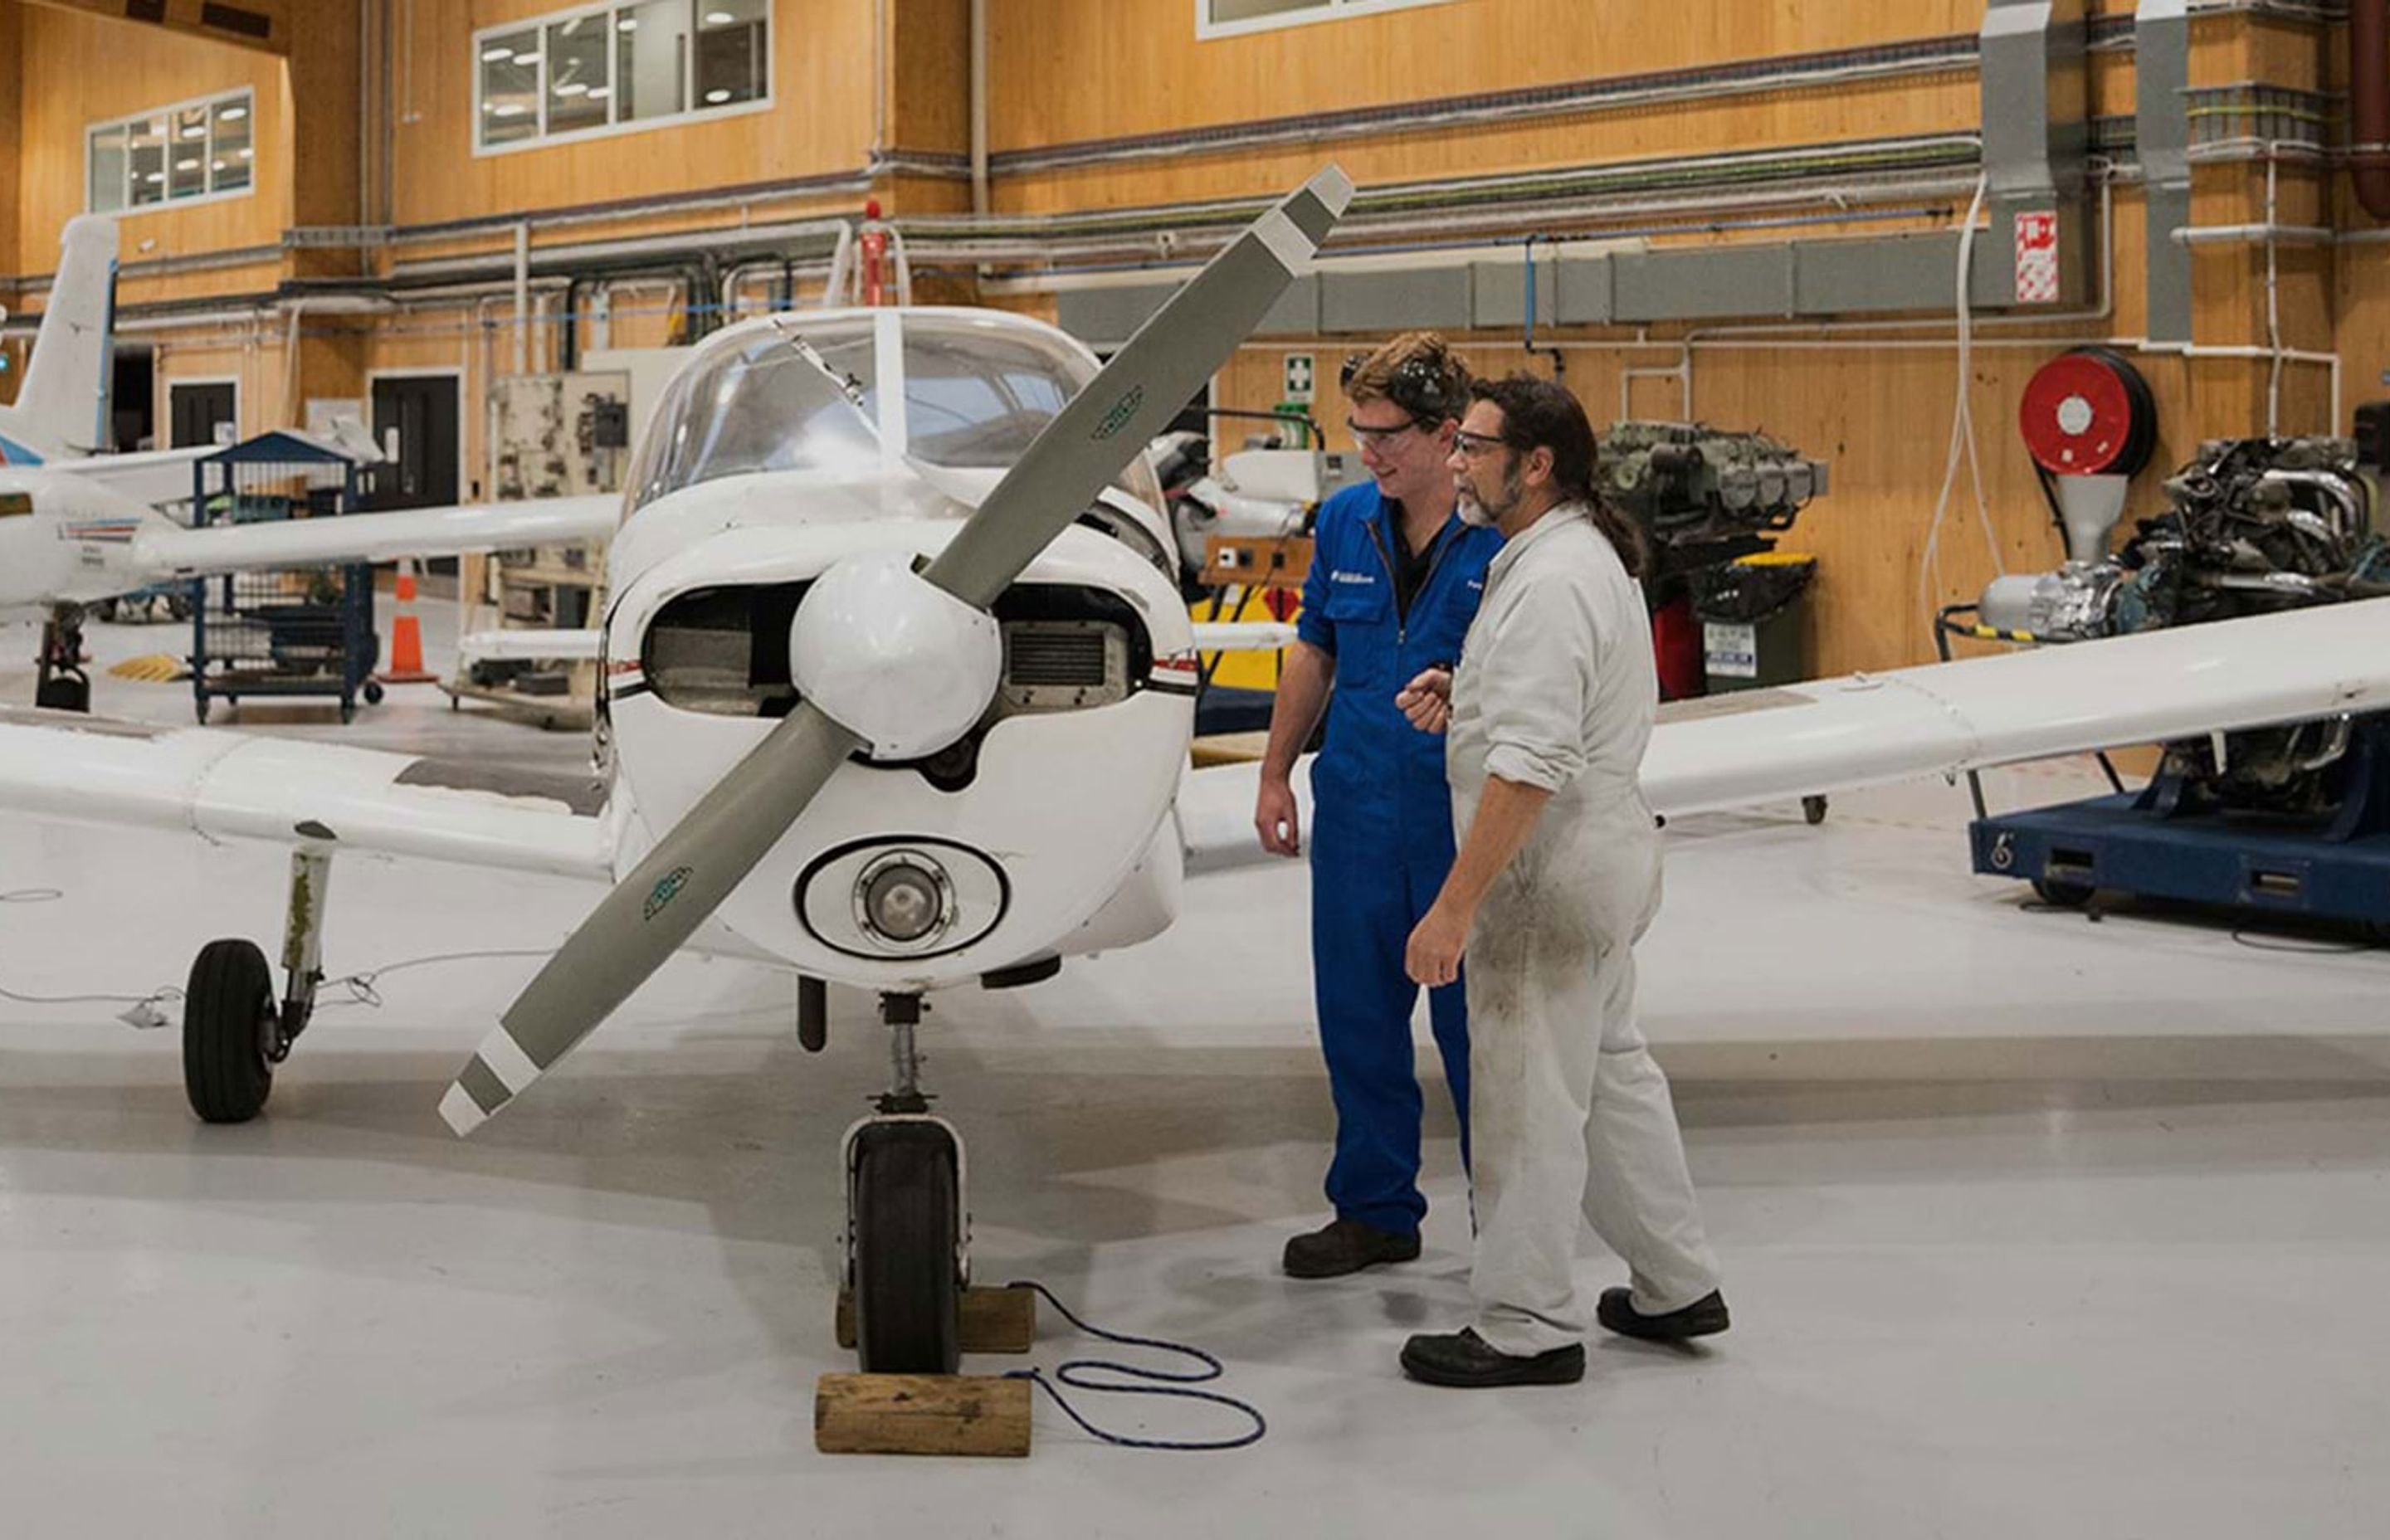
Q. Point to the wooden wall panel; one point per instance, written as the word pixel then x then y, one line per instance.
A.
pixel 1077 69
pixel 12 140
pixel 91 70
pixel 191 17
pixel 1860 110
pixel 823 100
pixel 929 54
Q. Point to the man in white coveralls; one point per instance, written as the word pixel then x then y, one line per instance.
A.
pixel 1558 874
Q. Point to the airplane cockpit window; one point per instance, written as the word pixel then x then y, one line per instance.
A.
pixel 758 403
pixel 16 505
pixel 978 391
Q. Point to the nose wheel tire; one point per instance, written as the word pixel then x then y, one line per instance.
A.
pixel 63 693
pixel 228 1019
pixel 907 1230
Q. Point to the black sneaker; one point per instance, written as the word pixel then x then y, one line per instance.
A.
pixel 1467 1361
pixel 1344 1246
pixel 1703 1317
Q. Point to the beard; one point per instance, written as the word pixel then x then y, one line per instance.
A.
pixel 1484 515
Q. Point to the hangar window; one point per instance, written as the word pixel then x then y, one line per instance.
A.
pixel 618 68
pixel 1229 17
pixel 190 152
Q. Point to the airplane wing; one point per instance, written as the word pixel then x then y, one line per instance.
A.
pixel 382 536
pixel 561 645
pixel 225 786
pixel 1834 734
pixel 1242 636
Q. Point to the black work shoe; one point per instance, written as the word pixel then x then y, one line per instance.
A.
pixel 1703 1317
pixel 1344 1246
pixel 1464 1359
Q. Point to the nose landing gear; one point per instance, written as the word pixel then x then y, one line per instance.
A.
pixel 62 685
pixel 908 1239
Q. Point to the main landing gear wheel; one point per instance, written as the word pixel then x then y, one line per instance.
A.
pixel 231 1032
pixel 907 1216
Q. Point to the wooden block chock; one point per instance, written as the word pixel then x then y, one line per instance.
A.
pixel 921 1413
pixel 1256 561
pixel 994 1320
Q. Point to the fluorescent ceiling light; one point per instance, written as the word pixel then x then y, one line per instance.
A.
pixel 233 114
pixel 719 18
pixel 716 97
pixel 155 176
pixel 573 88
pixel 186 165
pixel 497 55
pixel 600 93
pixel 511 110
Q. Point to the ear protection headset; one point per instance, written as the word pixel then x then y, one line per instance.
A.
pixel 1423 385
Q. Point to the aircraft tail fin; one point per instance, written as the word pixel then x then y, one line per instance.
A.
pixel 62 408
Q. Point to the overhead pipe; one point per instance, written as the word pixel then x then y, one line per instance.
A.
pixel 2369 103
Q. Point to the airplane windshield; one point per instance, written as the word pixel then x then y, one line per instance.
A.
pixel 978 391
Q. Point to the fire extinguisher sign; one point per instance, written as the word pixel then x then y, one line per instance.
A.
pixel 2037 256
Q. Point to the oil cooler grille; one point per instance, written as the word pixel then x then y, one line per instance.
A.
pixel 1042 657
pixel 1064 663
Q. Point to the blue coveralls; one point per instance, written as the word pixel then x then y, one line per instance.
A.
pixel 1381 843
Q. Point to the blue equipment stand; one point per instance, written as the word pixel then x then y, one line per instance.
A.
pixel 2161 843
pixel 300 632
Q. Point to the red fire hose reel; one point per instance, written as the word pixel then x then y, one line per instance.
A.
pixel 2090 413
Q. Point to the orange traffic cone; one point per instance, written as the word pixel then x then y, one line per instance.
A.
pixel 407 636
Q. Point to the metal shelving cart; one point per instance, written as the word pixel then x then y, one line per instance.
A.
pixel 295 632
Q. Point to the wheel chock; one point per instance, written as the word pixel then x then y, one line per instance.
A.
pixel 921 1413
pixel 994 1320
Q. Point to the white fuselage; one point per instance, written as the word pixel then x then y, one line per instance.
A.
pixel 1061 840
pixel 65 538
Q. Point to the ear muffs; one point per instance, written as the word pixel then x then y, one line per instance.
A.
pixel 1426 386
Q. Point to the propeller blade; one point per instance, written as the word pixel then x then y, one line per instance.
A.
pixel 1147 383
pixel 637 926
pixel 651 912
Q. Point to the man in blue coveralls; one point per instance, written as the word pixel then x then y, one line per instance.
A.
pixel 1394 583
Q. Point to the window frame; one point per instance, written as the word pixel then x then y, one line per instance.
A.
pixel 543 139
pixel 212 103
pixel 1315 13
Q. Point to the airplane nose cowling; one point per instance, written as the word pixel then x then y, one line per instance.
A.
pixel 896 660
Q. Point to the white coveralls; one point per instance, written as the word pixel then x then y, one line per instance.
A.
pixel 1557 689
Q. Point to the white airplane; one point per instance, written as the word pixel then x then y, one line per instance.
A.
pixel 78 526
pixel 899 685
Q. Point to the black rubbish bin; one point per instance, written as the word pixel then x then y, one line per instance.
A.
pixel 1755 620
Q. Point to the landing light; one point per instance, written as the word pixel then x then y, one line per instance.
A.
pixel 904 897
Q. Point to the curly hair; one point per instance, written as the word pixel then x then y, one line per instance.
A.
pixel 1417 371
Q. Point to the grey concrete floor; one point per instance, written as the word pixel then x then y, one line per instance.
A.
pixel 2032 1227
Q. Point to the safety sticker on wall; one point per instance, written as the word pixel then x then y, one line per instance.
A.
pixel 2037 256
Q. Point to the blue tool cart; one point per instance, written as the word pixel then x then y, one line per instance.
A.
pixel 294 632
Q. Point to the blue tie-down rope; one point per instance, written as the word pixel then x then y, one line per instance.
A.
pixel 1170 1382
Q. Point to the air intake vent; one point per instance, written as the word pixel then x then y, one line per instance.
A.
pixel 1073 657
